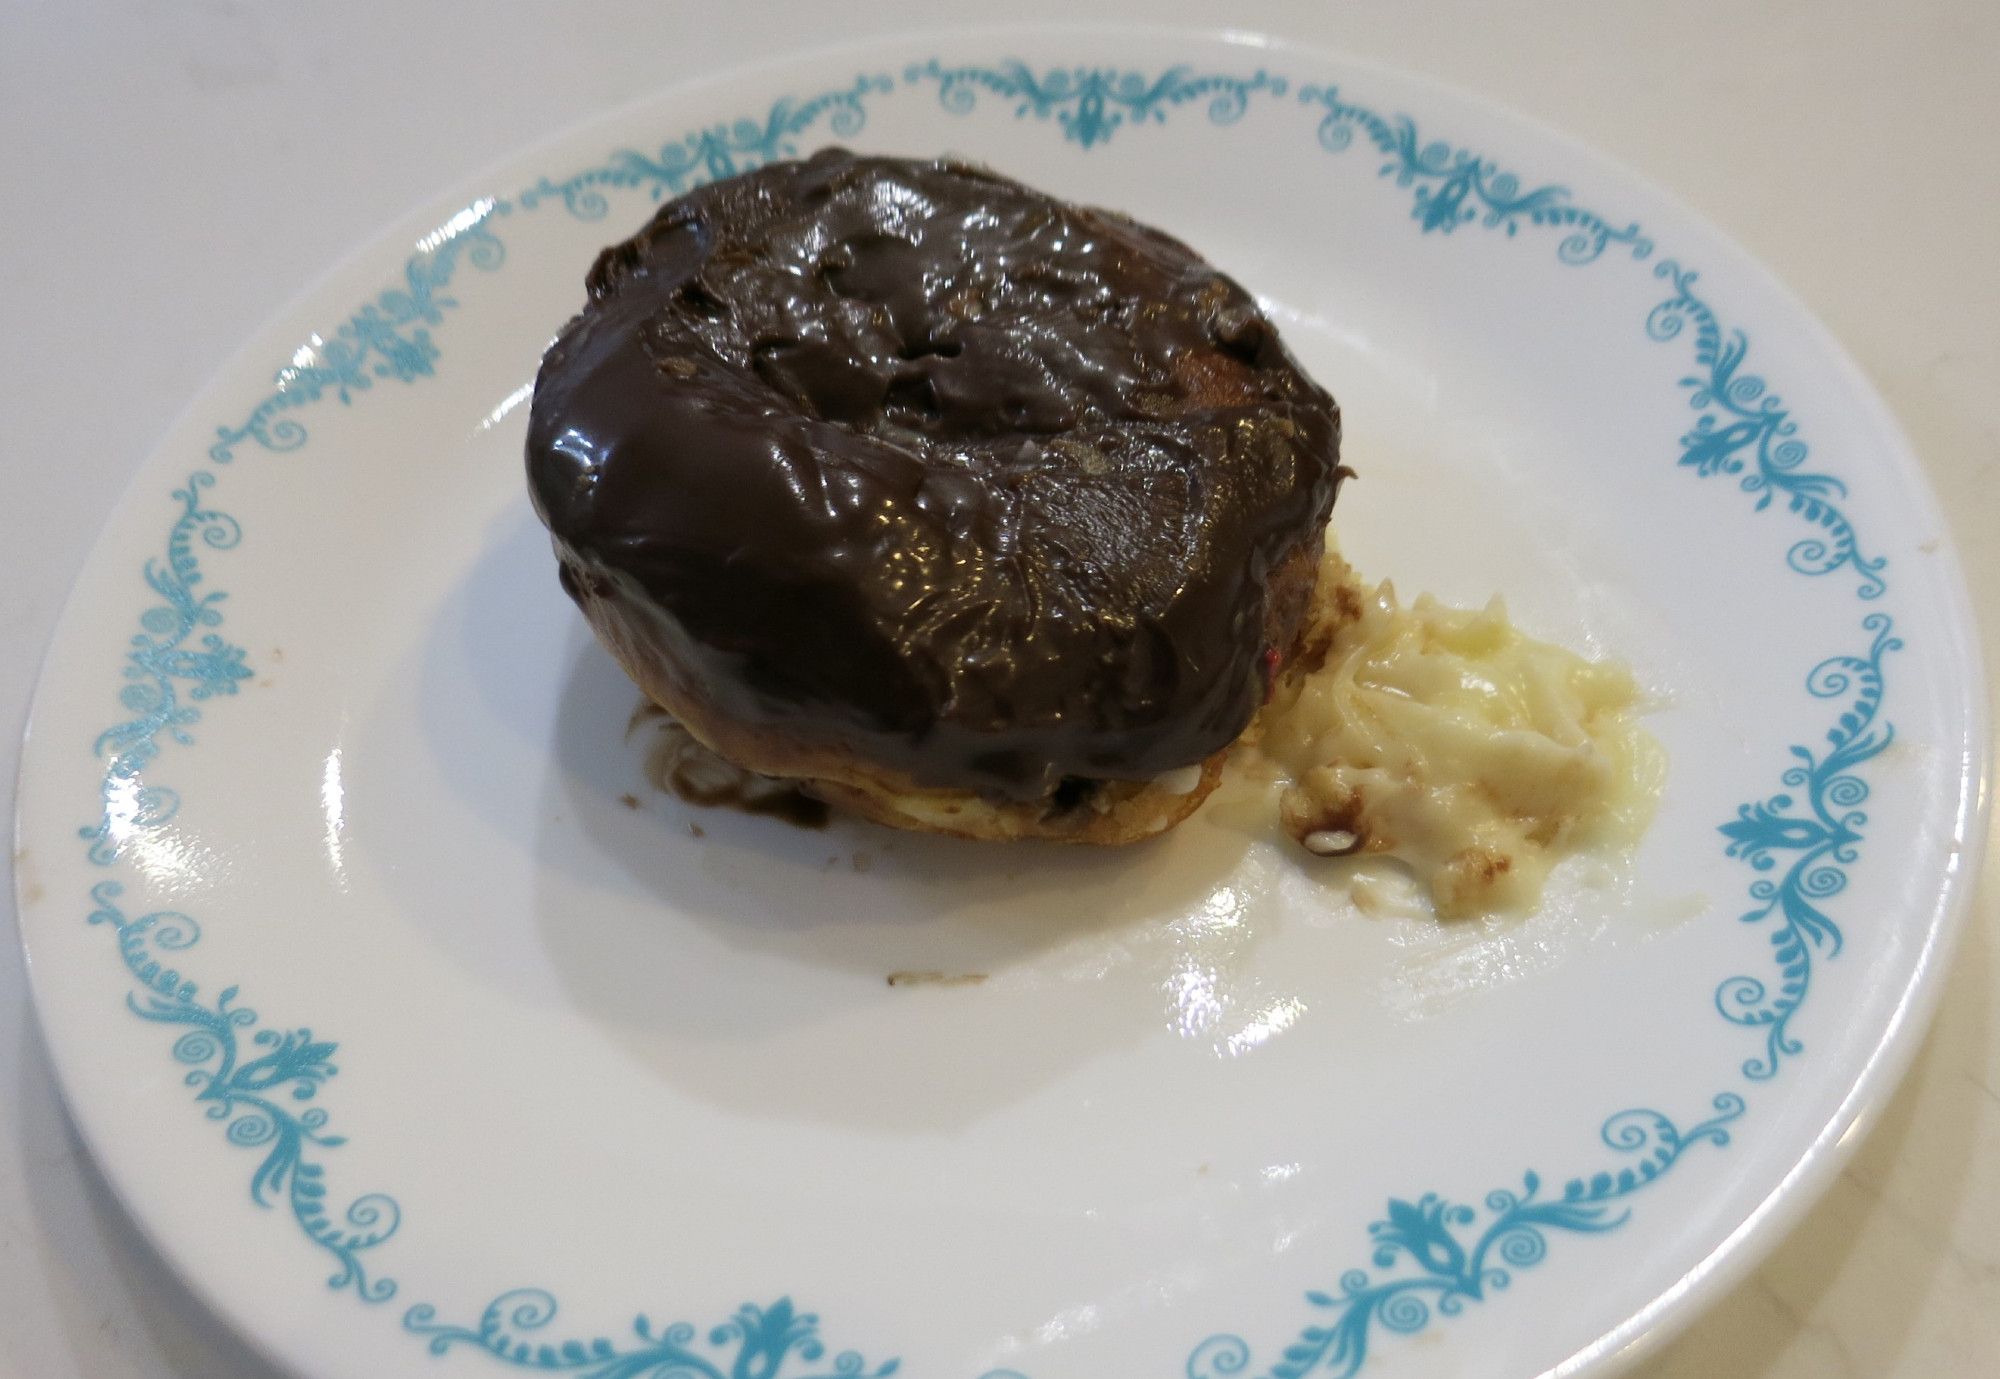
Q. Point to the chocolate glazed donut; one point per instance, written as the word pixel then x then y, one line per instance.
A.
pixel 912 482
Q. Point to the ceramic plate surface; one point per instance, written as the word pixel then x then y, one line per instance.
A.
pixel 424 1036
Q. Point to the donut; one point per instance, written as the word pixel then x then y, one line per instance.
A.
pixel 977 511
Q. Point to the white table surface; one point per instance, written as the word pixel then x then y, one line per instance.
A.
pixel 173 173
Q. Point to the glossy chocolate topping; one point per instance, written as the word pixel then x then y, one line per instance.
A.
pixel 907 460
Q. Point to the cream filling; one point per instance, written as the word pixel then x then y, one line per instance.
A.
pixel 1448 739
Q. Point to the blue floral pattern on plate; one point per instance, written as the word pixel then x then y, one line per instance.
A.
pixel 160 665
pixel 1744 430
pixel 1431 1255
pixel 775 1342
pixel 1437 1267
pixel 388 338
pixel 1091 103
pixel 711 153
pixel 1455 187
pixel 248 1089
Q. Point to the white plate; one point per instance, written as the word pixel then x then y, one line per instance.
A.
pixel 326 775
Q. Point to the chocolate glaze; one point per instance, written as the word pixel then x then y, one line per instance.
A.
pixel 907 460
